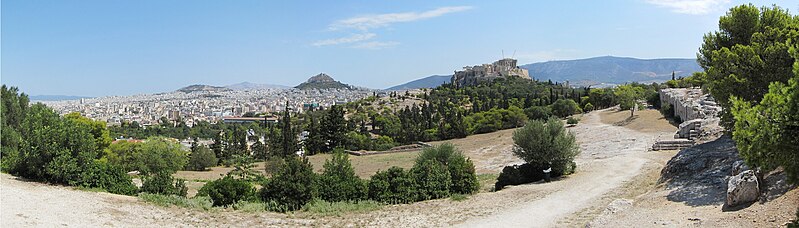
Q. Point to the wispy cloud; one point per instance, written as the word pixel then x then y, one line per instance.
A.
pixel 361 26
pixel 694 7
pixel 345 40
pixel 375 45
pixel 382 20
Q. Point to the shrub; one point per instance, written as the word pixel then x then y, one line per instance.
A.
pixel 227 191
pixel 538 112
pixel 162 154
pixel 338 182
pixel 392 186
pixel 461 169
pixel 292 186
pixel 572 121
pixel 201 158
pixel 546 143
pixel 565 107
pixel 588 107
pixel 433 180
pixel 523 174
pixel 111 178
pixel 163 183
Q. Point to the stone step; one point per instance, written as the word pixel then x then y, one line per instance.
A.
pixel 672 144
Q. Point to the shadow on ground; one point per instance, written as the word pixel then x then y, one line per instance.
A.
pixel 698 175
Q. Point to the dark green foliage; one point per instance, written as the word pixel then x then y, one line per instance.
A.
pixel 749 52
pixel 292 186
pixel 111 178
pixel 162 154
pixel 227 191
pixel 392 186
pixel 163 183
pixel 433 180
pixel 572 121
pixel 338 182
pixel 288 139
pixel 201 158
pixel 565 107
pixel 463 179
pixel 523 174
pixel 548 142
pixel 538 112
pixel 334 128
pixel 767 134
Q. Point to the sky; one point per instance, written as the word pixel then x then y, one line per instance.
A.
pixel 114 47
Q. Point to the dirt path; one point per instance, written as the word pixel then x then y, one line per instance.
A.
pixel 611 155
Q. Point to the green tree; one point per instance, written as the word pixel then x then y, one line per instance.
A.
pixel 292 186
pixel 393 186
pixel 161 154
pixel 565 107
pixel 338 181
pixel 767 134
pixel 548 142
pixel 13 110
pixel 125 154
pixel 628 96
pixel 334 127
pixel 750 51
pixel 288 140
pixel 315 143
pixel 201 158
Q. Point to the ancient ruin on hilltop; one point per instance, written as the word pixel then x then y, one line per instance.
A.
pixel 472 75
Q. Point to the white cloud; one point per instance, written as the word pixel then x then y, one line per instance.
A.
pixel 376 45
pixel 695 7
pixel 382 20
pixel 345 40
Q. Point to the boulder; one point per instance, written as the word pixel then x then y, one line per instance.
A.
pixel 742 188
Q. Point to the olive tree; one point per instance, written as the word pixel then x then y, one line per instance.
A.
pixel 548 142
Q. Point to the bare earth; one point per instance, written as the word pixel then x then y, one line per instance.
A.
pixel 615 164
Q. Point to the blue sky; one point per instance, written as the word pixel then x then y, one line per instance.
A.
pixel 98 48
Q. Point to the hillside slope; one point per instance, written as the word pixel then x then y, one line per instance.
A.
pixel 610 69
pixel 426 82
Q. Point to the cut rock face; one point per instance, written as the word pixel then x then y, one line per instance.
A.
pixel 742 188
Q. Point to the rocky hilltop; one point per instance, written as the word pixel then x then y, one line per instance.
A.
pixel 322 81
pixel 202 88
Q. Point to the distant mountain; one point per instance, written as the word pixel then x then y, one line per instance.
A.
pixel 427 82
pixel 199 88
pixel 322 81
pixel 54 97
pixel 610 69
pixel 254 86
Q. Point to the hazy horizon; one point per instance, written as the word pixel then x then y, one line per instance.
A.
pixel 99 48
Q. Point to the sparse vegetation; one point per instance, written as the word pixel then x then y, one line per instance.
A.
pixel 325 208
pixel 198 202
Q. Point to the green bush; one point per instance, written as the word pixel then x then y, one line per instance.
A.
pixel 523 174
pixel 565 107
pixel 433 180
pixel 461 169
pixel 292 186
pixel 108 177
pixel 588 107
pixel 163 183
pixel 548 142
pixel 201 158
pixel 538 112
pixel 338 182
pixel 572 121
pixel 392 186
pixel 227 191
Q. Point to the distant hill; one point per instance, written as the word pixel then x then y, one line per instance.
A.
pixel 322 81
pixel 610 69
pixel 54 97
pixel 427 82
pixel 254 86
pixel 199 88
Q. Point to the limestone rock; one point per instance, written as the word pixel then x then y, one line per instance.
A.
pixel 738 167
pixel 742 188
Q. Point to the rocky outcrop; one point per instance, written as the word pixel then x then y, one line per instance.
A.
pixel 742 188
pixel 473 75
pixel 698 175
pixel 322 81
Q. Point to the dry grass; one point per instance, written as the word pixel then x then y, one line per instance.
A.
pixel 648 120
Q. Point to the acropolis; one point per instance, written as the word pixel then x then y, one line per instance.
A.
pixel 471 75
